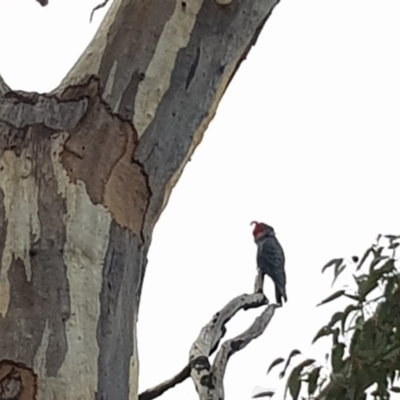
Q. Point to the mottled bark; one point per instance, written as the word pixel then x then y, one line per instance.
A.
pixel 86 171
pixel 207 376
pixel 234 345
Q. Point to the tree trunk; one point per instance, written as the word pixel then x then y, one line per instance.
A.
pixel 86 171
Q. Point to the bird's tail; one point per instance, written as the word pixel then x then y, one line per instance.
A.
pixel 280 293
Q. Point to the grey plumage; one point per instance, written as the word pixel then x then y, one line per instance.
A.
pixel 271 258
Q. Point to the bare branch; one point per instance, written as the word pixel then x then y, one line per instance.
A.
pixel 202 374
pixel 207 342
pixel 103 4
pixel 231 346
pixel 213 332
pixel 158 390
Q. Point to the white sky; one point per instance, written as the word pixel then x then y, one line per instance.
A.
pixel 305 139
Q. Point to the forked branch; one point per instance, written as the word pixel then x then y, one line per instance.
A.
pixel 232 346
pixel 98 7
pixel 208 378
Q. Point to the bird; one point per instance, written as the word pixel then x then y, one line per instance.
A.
pixel 270 258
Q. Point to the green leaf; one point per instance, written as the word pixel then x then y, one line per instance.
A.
pixel 313 380
pixel 292 354
pixel 335 336
pixel 339 268
pixel 364 257
pixel 275 363
pixel 294 384
pixel 352 296
pixel 366 286
pixel 294 381
pixel 332 297
pixel 336 262
pixel 377 251
pixel 392 376
pixel 263 394
pixel 349 309
pixel 338 316
pixel 324 331
pixel 360 321
pixel 386 268
pixel 376 261
pixel 395 389
pixel 392 353
pixel 392 237
pixel 363 343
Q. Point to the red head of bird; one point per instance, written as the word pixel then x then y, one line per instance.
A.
pixel 261 230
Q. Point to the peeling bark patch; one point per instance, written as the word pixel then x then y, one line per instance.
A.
pixel 99 154
pixel 125 106
pixel 143 24
pixel 94 148
pixel 27 109
pixel 47 259
pixel 87 234
pixel 126 193
pixel 200 363
pixel 17 382
pixel 151 90
pixel 33 285
pixel 39 361
pixel 21 211
pixel 51 275
pixel 207 381
pixel 110 82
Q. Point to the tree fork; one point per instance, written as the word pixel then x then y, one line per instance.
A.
pixel 208 377
pixel 85 173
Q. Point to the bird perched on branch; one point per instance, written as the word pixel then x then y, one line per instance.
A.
pixel 270 258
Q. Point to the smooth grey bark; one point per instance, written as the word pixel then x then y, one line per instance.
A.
pixel 85 172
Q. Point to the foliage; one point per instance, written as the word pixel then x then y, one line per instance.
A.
pixel 365 335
